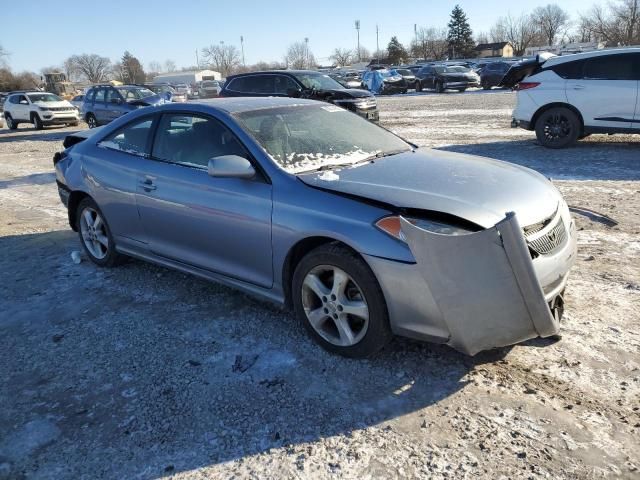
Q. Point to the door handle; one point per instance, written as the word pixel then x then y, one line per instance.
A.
pixel 578 87
pixel 147 185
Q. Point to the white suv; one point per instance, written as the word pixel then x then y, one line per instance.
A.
pixel 39 108
pixel 569 97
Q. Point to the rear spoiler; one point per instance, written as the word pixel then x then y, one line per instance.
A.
pixel 523 69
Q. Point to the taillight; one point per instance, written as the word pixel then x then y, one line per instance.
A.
pixel 527 85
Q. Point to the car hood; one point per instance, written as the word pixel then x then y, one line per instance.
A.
pixel 477 189
pixel 150 100
pixel 340 93
pixel 62 103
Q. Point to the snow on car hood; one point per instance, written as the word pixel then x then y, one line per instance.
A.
pixel 62 103
pixel 477 189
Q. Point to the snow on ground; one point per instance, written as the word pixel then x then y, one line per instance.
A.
pixel 142 372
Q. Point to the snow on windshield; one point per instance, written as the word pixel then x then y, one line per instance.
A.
pixel 308 137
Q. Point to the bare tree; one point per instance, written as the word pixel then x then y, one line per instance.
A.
pixel 482 37
pixel 222 58
pixel 619 25
pixel 154 67
pixel 550 20
pixel 3 56
pixel 520 31
pixel 365 54
pixel 498 32
pixel 343 56
pixel 299 56
pixel 430 43
pixel 170 66
pixel 93 67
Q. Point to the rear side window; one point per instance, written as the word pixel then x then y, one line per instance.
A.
pixel 133 138
pixel 569 70
pixel 611 67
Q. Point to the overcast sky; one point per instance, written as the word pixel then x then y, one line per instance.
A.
pixel 41 33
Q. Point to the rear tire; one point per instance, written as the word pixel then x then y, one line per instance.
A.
pixel 37 123
pixel 439 88
pixel 486 86
pixel 418 86
pixel 11 123
pixel 95 236
pixel 558 127
pixel 462 90
pixel 317 293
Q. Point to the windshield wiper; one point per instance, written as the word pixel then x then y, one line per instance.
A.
pixel 384 154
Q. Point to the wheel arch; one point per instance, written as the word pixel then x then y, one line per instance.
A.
pixel 549 106
pixel 75 197
pixel 297 253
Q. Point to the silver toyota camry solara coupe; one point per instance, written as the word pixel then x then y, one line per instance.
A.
pixel 363 234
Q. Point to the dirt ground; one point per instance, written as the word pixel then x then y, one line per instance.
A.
pixel 141 372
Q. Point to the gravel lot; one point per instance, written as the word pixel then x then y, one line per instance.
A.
pixel 142 372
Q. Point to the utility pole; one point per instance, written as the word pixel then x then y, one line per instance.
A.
pixel 306 52
pixel 197 60
pixel 357 23
pixel 377 44
pixel 242 48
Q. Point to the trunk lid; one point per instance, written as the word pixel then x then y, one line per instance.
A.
pixel 523 69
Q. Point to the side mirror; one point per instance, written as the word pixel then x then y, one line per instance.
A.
pixel 115 101
pixel 231 166
pixel 293 92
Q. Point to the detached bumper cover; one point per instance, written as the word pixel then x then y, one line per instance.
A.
pixel 482 287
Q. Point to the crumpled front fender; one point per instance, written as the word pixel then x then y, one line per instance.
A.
pixel 484 285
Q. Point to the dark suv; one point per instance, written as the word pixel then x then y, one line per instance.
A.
pixel 492 73
pixel 104 103
pixel 443 77
pixel 301 84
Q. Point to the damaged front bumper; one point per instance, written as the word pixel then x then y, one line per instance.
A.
pixel 476 291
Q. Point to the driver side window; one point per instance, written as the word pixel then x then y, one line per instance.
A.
pixel 192 140
pixel 132 138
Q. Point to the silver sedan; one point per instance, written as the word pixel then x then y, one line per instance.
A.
pixel 363 234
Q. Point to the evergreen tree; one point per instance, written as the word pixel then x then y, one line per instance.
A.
pixel 396 51
pixel 460 37
pixel 132 71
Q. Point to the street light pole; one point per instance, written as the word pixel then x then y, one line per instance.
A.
pixel 357 23
pixel 242 48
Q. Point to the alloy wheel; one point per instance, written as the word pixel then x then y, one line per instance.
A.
pixel 91 121
pixel 335 305
pixel 557 127
pixel 94 233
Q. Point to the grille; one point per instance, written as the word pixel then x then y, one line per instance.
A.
pixel 61 109
pixel 546 237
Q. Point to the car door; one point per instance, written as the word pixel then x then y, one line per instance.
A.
pixel 428 77
pixel 114 104
pixel 21 108
pixel 113 166
pixel 221 225
pixel 99 106
pixel 606 91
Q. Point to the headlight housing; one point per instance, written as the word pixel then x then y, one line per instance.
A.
pixel 44 109
pixel 391 226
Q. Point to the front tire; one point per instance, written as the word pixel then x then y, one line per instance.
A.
pixel 439 87
pixel 92 122
pixel 558 127
pixel 95 235
pixel 37 123
pixel 339 301
pixel 418 86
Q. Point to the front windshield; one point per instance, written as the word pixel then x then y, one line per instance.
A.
pixel 308 137
pixel 44 97
pixel 403 71
pixel 134 93
pixel 318 81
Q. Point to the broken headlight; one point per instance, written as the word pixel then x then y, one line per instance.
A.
pixel 391 226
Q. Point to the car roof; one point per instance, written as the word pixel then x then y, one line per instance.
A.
pixel 594 53
pixel 243 104
pixel 285 72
